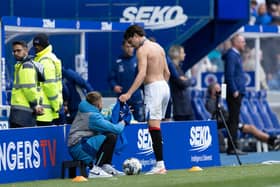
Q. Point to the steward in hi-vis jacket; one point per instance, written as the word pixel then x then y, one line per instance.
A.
pixel 25 96
pixel 51 88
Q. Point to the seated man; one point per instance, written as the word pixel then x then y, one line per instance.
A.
pixel 213 90
pixel 93 138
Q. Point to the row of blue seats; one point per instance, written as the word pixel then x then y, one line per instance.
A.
pixel 255 110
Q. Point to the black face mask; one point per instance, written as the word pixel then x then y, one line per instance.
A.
pixel 20 59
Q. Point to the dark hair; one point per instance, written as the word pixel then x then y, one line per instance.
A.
pixel 123 42
pixel 21 42
pixel 210 87
pixel 93 98
pixel 254 2
pixel 153 39
pixel 133 29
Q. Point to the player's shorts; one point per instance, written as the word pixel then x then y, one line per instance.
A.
pixel 156 99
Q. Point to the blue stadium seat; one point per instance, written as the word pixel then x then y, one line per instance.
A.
pixel 204 94
pixel 198 105
pixel 260 115
pixel 263 103
pixel 249 115
pixel 255 103
pixel 224 105
pixel 245 116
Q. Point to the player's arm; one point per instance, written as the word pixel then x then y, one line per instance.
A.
pixel 166 72
pixel 142 70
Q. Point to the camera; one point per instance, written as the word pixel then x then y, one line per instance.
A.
pixel 218 93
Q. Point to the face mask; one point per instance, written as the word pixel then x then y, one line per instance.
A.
pixel 19 58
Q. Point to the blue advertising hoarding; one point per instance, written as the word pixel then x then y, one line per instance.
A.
pixel 185 144
pixel 31 153
pixel 210 77
pixel 37 153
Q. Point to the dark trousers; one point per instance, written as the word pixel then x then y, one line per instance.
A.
pixel 234 105
pixel 105 153
pixel 21 118
pixel 44 123
pixel 137 110
pixel 15 125
pixel 183 117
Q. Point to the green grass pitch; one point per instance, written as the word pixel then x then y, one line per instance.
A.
pixel 230 176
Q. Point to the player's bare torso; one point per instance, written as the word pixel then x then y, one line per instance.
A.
pixel 155 61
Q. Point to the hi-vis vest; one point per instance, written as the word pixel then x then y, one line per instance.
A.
pixel 51 88
pixel 58 72
pixel 24 93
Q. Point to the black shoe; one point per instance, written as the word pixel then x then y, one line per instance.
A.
pixel 238 152
pixel 276 146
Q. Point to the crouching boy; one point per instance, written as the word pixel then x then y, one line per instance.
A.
pixel 92 137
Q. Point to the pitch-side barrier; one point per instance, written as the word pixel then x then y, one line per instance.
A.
pixel 37 153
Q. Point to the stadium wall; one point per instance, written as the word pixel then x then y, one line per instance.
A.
pixel 37 153
pixel 170 18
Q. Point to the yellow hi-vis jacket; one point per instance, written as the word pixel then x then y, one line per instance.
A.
pixel 25 95
pixel 51 88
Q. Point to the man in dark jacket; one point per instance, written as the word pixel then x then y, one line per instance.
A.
pixel 122 76
pixel 236 86
pixel 74 90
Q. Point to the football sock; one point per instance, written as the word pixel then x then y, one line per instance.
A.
pixel 157 142
pixel 160 164
pixel 271 140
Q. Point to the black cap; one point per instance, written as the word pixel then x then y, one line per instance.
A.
pixel 41 40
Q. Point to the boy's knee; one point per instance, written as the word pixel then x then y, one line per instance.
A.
pixel 111 137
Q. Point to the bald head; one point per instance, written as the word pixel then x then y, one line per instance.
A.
pixel 238 42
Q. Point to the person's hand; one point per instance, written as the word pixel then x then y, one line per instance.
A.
pixel 39 110
pixel 124 97
pixel 66 110
pixel 118 89
pixel 235 94
pixel 122 122
pixel 131 109
pixel 183 78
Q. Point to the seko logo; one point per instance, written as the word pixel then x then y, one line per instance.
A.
pixel 200 138
pixel 144 142
pixel 155 17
